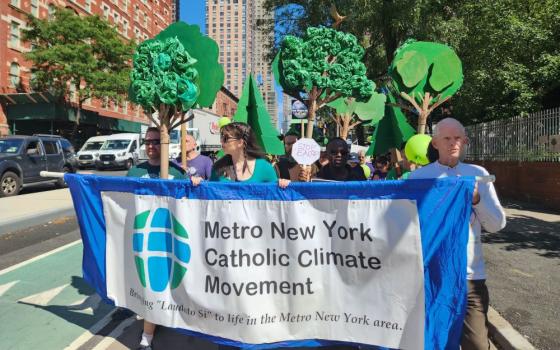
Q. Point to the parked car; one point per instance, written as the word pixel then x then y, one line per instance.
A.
pixel 22 158
pixel 89 153
pixel 119 150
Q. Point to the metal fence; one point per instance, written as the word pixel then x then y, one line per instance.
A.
pixel 532 137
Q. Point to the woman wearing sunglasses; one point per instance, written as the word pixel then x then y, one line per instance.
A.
pixel 243 160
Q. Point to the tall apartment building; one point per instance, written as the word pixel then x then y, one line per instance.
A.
pixel 25 111
pixel 233 25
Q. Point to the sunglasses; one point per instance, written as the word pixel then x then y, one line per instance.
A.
pixel 341 151
pixel 226 138
pixel 154 142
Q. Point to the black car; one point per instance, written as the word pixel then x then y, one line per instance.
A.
pixel 22 158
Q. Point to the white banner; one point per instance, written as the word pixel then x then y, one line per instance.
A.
pixel 260 271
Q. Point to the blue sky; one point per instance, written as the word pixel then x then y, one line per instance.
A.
pixel 192 12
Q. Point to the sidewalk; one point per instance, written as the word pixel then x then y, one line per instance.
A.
pixel 32 209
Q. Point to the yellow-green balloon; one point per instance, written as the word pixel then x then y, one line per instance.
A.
pixel 367 170
pixel 223 121
pixel 416 149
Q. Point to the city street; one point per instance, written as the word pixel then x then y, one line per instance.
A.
pixel 49 186
pixel 522 262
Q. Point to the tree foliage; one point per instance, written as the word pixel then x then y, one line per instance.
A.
pixel 425 74
pixel 163 73
pixel 85 52
pixel 509 50
pixel 320 67
pixel 251 110
pixel 351 113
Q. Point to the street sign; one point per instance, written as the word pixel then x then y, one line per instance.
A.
pixel 306 151
pixel 299 110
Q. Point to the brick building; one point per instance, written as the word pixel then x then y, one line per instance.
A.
pixel 24 111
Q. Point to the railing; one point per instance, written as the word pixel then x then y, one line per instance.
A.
pixel 532 137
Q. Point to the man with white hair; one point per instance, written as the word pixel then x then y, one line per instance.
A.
pixel 449 140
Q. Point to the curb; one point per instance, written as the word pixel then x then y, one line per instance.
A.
pixel 35 219
pixel 504 335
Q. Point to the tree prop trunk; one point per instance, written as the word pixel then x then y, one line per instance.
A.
pixel 344 124
pixel 169 119
pixel 183 144
pixel 424 111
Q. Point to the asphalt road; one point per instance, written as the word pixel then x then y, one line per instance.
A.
pixel 523 267
pixel 50 186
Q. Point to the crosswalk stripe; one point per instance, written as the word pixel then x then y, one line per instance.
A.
pixel 5 287
pixel 43 298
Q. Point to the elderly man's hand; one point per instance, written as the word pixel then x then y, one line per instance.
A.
pixel 476 195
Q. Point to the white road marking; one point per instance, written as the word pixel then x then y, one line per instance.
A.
pixel 43 298
pixel 39 257
pixel 5 287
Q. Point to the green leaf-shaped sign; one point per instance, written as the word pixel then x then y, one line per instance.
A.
pixel 420 67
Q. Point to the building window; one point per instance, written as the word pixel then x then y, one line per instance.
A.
pixel 106 12
pixel 125 28
pixel 88 5
pixel 14 75
pixel 14 3
pixel 136 10
pixel 14 35
pixel 125 5
pixel 52 9
pixel 35 8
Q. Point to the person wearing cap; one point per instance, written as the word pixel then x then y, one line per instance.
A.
pixel 338 168
pixel 449 140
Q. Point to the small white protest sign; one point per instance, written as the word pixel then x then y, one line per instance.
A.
pixel 306 151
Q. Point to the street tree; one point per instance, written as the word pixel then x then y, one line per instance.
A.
pixel 320 67
pixel 85 55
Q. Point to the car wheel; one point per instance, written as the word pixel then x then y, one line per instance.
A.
pixel 60 183
pixel 9 184
pixel 128 164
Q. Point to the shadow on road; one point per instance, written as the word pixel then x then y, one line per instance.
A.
pixel 526 232
pixel 75 313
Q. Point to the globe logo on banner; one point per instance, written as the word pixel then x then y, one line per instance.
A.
pixel 161 253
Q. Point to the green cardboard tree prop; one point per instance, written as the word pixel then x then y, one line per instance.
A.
pixel 322 66
pixel 172 73
pixel 426 75
pixel 251 110
pixel 348 110
pixel 392 131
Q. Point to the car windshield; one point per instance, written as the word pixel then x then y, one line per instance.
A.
pixel 115 144
pixel 10 146
pixel 92 146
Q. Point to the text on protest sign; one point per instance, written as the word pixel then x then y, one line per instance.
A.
pixel 260 271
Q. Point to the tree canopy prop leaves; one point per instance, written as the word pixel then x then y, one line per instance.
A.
pixel 81 54
pixel 348 109
pixel 206 52
pixel 392 131
pixel 169 78
pixel 251 110
pixel 426 74
pixel 320 67
pixel 163 73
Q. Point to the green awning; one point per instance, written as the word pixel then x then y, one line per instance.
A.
pixel 118 124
